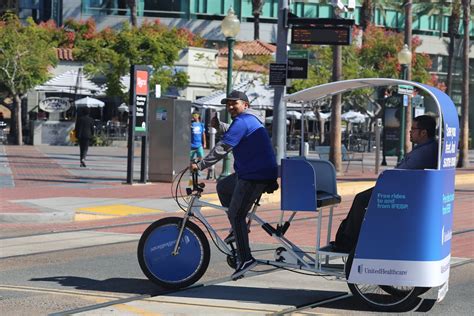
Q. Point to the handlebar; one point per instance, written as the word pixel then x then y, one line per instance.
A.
pixel 197 187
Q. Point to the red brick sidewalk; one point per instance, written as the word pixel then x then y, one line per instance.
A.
pixel 37 175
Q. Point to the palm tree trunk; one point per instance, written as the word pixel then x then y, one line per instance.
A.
pixel 132 4
pixel 366 14
pixel 256 27
pixel 463 161
pixel 453 33
pixel 335 138
pixel 408 40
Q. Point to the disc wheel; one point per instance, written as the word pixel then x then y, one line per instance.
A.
pixel 161 266
pixel 385 298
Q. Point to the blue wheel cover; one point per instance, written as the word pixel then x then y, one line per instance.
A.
pixel 158 254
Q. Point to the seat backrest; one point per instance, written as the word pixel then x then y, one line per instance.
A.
pixel 325 175
pixel 298 185
pixel 301 179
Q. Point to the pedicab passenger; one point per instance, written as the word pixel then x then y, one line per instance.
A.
pixel 423 156
pixel 255 169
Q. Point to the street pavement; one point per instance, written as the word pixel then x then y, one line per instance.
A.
pixel 49 203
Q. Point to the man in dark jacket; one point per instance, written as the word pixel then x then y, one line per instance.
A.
pixel 255 169
pixel 84 132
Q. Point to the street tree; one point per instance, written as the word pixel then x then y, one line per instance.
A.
pixel 463 161
pixel 26 53
pixel 111 53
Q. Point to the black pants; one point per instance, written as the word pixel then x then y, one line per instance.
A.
pixel 238 195
pixel 83 147
pixel 347 240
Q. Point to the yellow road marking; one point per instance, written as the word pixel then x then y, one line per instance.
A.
pixel 91 217
pixel 119 210
pixel 135 310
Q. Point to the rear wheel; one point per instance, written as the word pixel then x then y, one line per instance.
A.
pixel 385 298
pixel 157 260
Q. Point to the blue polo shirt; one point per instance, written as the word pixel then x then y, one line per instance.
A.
pixel 253 153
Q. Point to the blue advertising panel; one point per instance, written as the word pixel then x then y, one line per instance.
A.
pixel 450 128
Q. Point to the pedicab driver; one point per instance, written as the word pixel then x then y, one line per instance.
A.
pixel 255 169
pixel 423 156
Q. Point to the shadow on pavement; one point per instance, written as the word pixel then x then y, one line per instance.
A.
pixel 117 285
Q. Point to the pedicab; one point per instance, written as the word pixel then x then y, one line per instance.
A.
pixel 404 244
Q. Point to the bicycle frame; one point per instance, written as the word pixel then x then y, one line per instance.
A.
pixel 298 258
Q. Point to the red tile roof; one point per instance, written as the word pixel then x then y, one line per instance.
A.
pixel 252 48
pixel 242 65
pixel 64 54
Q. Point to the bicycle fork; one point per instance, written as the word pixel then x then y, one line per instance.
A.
pixel 183 225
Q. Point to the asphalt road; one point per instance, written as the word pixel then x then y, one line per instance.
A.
pixel 69 280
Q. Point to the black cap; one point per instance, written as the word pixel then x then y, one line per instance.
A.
pixel 234 96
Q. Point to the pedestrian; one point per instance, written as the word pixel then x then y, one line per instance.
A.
pixel 198 137
pixel 255 170
pixel 84 132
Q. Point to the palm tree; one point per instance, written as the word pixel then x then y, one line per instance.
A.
pixel 453 31
pixel 335 134
pixel 132 4
pixel 257 6
pixel 463 161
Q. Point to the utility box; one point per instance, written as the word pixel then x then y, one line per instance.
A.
pixel 169 123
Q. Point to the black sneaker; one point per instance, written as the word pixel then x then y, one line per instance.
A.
pixel 243 268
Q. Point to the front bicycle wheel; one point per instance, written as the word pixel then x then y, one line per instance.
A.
pixel 385 298
pixel 157 260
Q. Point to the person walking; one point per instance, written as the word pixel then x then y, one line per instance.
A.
pixel 255 170
pixel 84 132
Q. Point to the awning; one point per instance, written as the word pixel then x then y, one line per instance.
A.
pixel 73 82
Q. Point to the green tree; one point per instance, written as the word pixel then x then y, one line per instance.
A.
pixel 26 53
pixel 111 53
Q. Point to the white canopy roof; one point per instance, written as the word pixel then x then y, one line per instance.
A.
pixel 333 88
pixel 72 81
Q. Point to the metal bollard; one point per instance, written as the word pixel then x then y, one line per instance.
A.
pixel 378 127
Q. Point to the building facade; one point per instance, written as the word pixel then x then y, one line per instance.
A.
pixel 204 17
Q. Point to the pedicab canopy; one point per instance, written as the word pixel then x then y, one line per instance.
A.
pixel 405 238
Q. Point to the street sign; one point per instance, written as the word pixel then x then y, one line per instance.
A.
pixel 141 98
pixel 277 74
pixel 405 89
pixel 321 35
pixel 297 64
pixel 405 100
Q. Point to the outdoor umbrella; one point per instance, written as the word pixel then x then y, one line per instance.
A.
pixel 123 108
pixel 353 117
pixel 89 102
